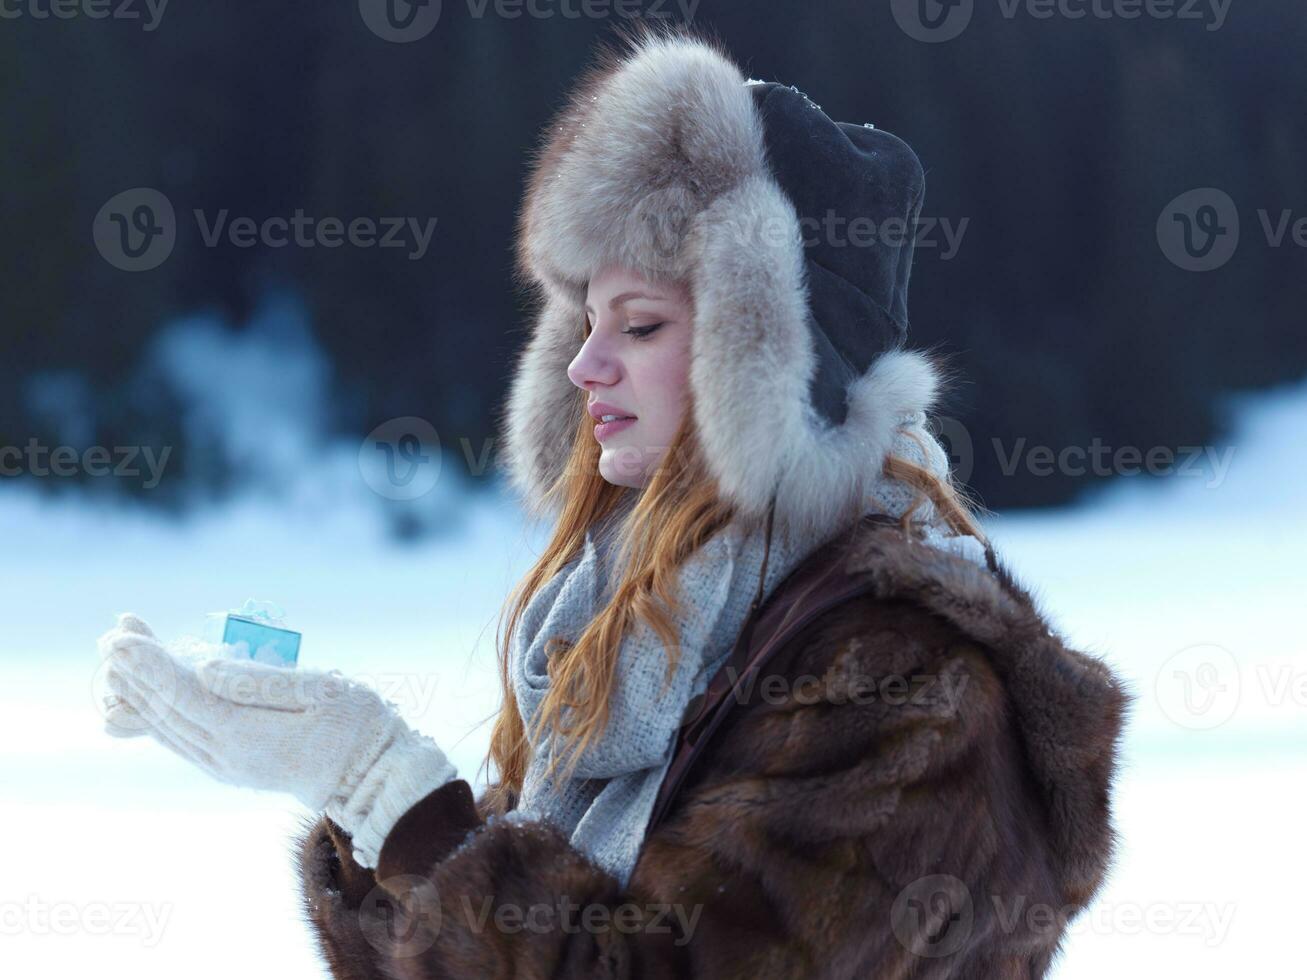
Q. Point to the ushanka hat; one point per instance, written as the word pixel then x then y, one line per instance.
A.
pixel 795 234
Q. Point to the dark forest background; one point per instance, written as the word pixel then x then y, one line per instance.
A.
pixel 1060 141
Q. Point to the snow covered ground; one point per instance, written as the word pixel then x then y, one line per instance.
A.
pixel 122 860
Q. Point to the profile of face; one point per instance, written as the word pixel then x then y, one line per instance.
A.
pixel 634 363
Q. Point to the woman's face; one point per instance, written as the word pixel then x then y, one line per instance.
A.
pixel 634 361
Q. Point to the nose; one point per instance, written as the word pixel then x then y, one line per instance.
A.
pixel 594 365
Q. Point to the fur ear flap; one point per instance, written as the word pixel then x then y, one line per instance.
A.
pixel 544 409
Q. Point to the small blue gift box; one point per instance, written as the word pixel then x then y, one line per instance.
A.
pixel 260 626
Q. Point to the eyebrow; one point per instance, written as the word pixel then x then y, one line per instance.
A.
pixel 623 297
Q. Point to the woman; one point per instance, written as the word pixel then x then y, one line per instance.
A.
pixel 716 387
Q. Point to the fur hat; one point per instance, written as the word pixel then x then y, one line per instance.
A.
pixel 795 234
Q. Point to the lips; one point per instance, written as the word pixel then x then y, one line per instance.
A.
pixel 605 429
pixel 598 410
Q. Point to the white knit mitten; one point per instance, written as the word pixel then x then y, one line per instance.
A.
pixel 332 743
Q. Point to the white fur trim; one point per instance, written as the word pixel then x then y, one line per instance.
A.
pixel 543 406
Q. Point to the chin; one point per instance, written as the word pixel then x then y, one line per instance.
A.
pixel 616 466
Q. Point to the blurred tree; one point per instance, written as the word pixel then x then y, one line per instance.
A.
pixel 1052 145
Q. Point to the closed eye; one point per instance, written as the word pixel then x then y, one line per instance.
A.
pixel 639 333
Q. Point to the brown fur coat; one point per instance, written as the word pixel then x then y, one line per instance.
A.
pixel 919 788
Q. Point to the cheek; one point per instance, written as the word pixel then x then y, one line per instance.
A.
pixel 665 384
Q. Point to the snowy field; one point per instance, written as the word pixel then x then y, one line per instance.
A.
pixel 123 861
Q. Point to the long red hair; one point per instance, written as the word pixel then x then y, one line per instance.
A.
pixel 674 514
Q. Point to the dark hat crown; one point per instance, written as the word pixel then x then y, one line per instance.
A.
pixel 857 191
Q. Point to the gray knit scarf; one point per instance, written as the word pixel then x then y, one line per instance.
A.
pixel 605 806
